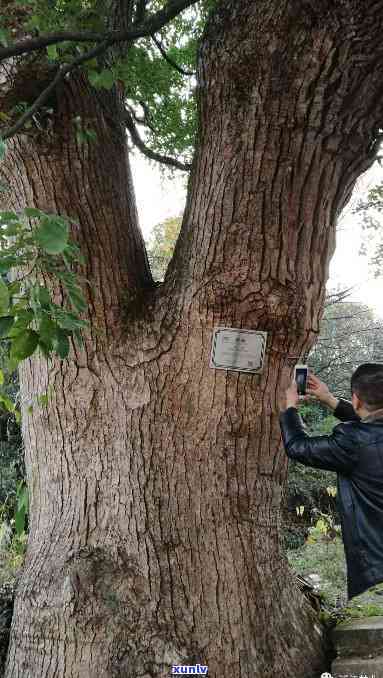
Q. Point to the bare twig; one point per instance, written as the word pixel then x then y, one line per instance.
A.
pixel 164 159
pixel 338 296
pixel 347 317
pixel 169 60
pixel 346 335
pixel 145 120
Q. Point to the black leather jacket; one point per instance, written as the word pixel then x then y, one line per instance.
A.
pixel 355 451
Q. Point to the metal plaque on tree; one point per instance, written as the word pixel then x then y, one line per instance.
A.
pixel 239 350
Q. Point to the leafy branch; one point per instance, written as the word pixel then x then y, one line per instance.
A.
pixel 150 25
pixel 147 28
pixel 29 318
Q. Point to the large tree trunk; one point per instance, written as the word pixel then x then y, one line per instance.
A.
pixel 156 481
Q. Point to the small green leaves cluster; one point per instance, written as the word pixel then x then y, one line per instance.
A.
pixel 37 246
pixel 325 528
pixel 52 15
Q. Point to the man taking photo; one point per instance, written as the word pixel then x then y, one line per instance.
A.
pixel 354 451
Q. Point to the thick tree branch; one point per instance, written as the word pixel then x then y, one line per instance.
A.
pixel 169 59
pixel 164 159
pixel 151 25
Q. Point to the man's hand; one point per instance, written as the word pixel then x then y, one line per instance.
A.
pixel 292 397
pixel 320 391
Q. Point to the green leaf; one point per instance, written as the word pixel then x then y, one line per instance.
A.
pixel 34 21
pixel 22 496
pixel 1 377
pixel 6 263
pixel 7 402
pixel 44 297
pixel 79 338
pixel 84 135
pixel 52 52
pixel 91 135
pixel 4 37
pixel 8 216
pixel 48 332
pixel 52 236
pixel 104 79
pixel 3 145
pixel 6 322
pixel 24 345
pixel 22 322
pixel 4 297
pixel 43 399
pixel 12 229
pixel 14 287
pixel 32 213
pixel 11 364
pixel 20 520
pixel 44 348
pixel 69 321
pixel 62 344
pixel 77 299
pixel 92 63
pixel 93 79
pixel 20 306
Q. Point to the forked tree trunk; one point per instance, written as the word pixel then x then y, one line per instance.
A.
pixel 156 481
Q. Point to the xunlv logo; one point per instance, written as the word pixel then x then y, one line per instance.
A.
pixel 190 669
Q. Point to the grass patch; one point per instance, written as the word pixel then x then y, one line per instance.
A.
pixel 328 561
pixel 12 558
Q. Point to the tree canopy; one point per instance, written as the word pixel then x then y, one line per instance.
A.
pixel 150 54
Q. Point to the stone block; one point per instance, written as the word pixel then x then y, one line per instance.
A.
pixel 354 667
pixel 362 638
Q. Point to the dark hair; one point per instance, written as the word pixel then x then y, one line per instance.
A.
pixel 367 384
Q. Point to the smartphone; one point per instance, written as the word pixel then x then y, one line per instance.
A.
pixel 300 376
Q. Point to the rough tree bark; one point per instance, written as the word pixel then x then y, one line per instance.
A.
pixel 156 482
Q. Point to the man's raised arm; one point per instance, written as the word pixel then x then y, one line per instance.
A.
pixel 342 409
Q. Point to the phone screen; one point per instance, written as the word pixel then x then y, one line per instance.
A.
pixel 301 379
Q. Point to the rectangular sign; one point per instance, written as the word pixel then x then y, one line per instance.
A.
pixel 238 350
